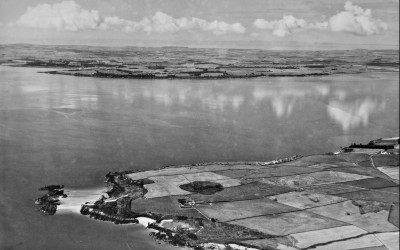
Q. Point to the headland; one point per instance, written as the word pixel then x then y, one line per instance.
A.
pixel 347 199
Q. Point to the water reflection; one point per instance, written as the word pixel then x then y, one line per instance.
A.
pixel 215 98
pixel 74 101
pixel 351 115
pixel 232 97
pixel 284 98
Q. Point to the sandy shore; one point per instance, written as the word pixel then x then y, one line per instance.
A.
pixel 77 197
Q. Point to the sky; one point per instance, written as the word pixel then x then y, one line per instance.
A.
pixel 265 24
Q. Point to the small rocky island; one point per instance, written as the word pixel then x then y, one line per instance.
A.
pixel 347 199
pixel 48 203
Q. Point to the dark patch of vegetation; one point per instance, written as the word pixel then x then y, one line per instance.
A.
pixel 315 66
pixel 202 187
pixel 51 187
pixel 371 146
pixel 394 214
pixel 119 184
pixel 370 206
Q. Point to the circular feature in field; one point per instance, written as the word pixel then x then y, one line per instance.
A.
pixel 202 187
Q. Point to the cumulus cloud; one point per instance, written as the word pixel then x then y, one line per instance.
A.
pixel 356 20
pixel 353 19
pixel 61 16
pixel 219 27
pixel 283 27
pixel 163 23
pixel 70 16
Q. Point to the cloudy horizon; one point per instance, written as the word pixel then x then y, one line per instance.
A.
pixel 259 24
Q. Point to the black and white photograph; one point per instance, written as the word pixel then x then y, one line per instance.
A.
pixel 199 125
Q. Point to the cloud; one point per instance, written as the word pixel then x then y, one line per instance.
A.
pixel 356 20
pixel 163 23
pixel 70 16
pixel 61 16
pixel 283 27
pixel 219 28
pixel 353 19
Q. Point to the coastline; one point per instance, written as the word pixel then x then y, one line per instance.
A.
pixel 177 229
pixel 200 64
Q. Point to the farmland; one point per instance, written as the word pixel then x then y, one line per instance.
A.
pixel 338 200
pixel 191 63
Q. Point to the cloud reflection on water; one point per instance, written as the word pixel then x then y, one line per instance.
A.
pixel 354 114
pixel 209 98
pixel 283 99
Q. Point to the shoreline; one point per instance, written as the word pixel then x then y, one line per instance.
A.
pixel 177 64
pixel 127 188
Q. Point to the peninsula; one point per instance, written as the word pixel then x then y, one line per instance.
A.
pixel 347 199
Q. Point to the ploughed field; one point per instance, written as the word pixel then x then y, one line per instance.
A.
pixel 195 63
pixel 342 200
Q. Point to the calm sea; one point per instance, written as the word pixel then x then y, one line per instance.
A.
pixel 69 130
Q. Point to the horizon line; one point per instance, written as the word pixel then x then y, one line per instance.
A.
pixel 208 47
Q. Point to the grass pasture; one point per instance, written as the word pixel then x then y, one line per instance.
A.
pixel 329 159
pixel 296 163
pixel 289 223
pixel 386 160
pixel 227 211
pixel 169 184
pixel 393 172
pixel 354 157
pixel 370 171
pixel 161 172
pixel 311 179
pixel 304 200
pixel 212 177
pixel 332 189
pixel 390 239
pixel 348 212
pixel 222 167
pixel 323 166
pixel 394 190
pixel 255 190
pixel 371 183
pixel 372 195
pixel 308 239
pixel 268 172
pixel 165 186
pixel 394 215
pixel 164 205
pixel 365 242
